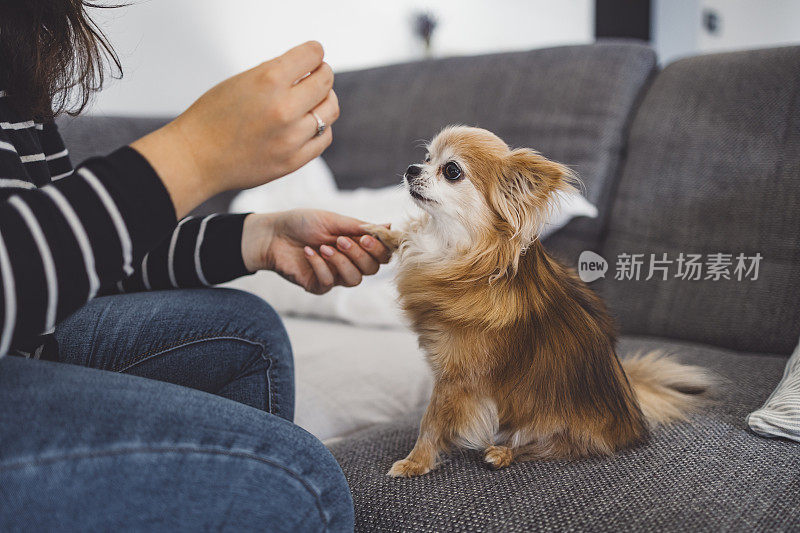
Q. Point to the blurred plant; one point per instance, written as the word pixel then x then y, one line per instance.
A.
pixel 424 26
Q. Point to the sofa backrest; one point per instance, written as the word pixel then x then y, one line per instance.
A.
pixel 713 167
pixel 571 103
pixel 89 135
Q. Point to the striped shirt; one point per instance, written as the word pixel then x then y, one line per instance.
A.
pixel 107 226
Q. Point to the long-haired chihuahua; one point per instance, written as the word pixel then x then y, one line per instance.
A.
pixel 522 351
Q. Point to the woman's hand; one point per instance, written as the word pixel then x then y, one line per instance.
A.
pixel 246 131
pixel 311 248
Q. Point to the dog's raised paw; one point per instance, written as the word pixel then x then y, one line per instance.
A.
pixel 389 237
pixel 498 456
pixel 407 468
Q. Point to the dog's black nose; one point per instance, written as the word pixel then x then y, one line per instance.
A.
pixel 413 171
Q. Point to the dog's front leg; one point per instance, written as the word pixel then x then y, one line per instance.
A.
pixel 429 445
pixel 447 419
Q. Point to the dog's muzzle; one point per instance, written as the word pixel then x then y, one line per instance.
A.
pixel 413 172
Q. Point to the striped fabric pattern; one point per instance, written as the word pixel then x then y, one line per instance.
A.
pixel 780 414
pixel 201 251
pixel 67 235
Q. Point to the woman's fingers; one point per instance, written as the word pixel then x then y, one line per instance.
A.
pixel 361 259
pixel 328 109
pixel 349 275
pixel 322 271
pixel 304 132
pixel 305 129
pixel 312 89
pixel 298 61
pixel 375 248
pixel 313 148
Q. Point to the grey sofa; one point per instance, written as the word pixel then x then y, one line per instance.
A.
pixel 702 157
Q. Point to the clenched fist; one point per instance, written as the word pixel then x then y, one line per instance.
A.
pixel 248 130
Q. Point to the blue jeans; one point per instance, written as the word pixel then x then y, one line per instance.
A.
pixel 89 449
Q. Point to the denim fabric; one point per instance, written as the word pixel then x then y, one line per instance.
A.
pixel 226 342
pixel 86 449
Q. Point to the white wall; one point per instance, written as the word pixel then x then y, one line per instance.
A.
pixel 752 24
pixel 173 50
pixel 678 26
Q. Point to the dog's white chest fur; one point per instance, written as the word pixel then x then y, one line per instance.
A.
pixel 432 242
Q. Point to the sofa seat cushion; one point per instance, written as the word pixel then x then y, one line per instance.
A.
pixel 710 474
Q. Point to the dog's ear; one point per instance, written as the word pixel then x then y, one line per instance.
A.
pixel 526 192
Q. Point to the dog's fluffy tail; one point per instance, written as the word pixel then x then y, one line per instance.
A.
pixel 666 389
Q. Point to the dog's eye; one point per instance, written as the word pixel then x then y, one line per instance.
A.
pixel 451 171
pixel 427 158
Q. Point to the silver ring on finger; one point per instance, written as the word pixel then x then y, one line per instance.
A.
pixel 321 126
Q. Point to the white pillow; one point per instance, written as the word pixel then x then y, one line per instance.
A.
pixel 314 186
pixel 374 301
pixel 348 378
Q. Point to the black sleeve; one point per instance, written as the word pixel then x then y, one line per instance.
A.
pixel 200 251
pixel 61 243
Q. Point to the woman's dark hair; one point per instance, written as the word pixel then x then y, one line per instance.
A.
pixel 52 55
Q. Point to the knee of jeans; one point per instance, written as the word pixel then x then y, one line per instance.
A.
pixel 318 469
pixel 181 487
pixel 317 491
pixel 251 315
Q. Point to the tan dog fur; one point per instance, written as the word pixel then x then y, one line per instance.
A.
pixel 522 351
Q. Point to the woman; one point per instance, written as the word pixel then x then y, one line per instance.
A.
pixel 86 256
